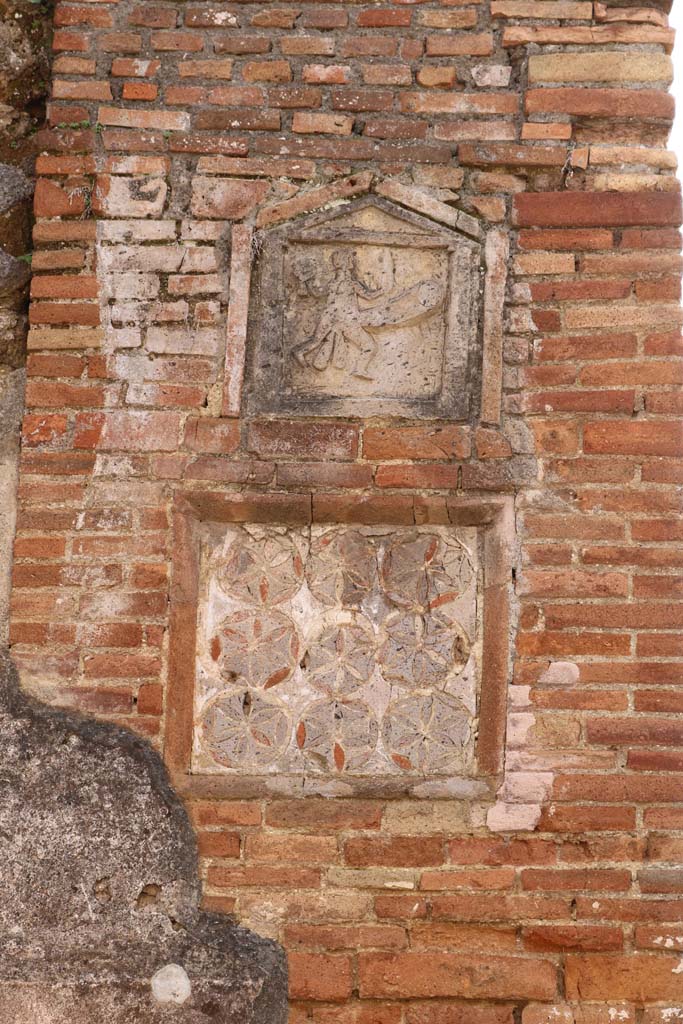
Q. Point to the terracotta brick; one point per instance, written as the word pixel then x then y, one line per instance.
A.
pixel 472 44
pixel 466 937
pixel 173 41
pixel 575 209
pixel 421 476
pixel 315 440
pixel 638 977
pixel 328 124
pixel 385 18
pixel 230 199
pixel 445 1012
pixel 449 974
pixel 432 77
pixel 129 431
pixel 288 848
pixel 318 816
pixel 210 813
pixel 446 442
pixel 339 937
pixel 219 845
pixel 258 876
pixel 267 71
pixel 320 977
pixel 638 438
pixel 581 938
pixel 219 436
pixel 394 852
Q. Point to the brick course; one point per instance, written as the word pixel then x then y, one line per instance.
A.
pixel 181 128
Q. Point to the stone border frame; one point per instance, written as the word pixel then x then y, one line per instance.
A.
pixel 485 375
pixel 193 509
pixel 266 373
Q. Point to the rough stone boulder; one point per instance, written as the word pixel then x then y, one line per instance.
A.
pixel 99 915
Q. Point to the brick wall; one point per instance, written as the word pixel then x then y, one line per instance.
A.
pixel 176 129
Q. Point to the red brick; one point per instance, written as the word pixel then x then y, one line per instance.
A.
pixel 286 848
pixel 443 1012
pixel 128 431
pixel 411 975
pixel 578 879
pixel 368 509
pixel 243 44
pixel 384 18
pixel 324 816
pixel 218 436
pixel 121 666
pixel 612 103
pixel 362 99
pixel 310 440
pixel 277 18
pixel 421 476
pixel 139 91
pixel 579 209
pixel 352 937
pixel 324 474
pixel 435 442
pixel 320 977
pixel 120 42
pixel 38 429
pixel 267 876
pixel 55 394
pixel 635 438
pixel 219 845
pixel 171 41
pixel 153 17
pixel 639 977
pixel 628 731
pixel 85 14
pixel 53 200
pixel 473 878
pixel 395 851
pixel 566 938
pixel 209 813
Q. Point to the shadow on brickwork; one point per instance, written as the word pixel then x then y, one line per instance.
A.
pixel 25 35
pixel 99 915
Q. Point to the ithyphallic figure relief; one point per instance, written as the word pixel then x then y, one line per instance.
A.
pixel 358 304
pixel 368 309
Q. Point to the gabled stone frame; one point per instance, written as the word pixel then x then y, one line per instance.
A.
pixel 269 390
pixel 479 359
pixel 197 511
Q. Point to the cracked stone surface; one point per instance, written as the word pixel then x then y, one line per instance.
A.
pixel 100 889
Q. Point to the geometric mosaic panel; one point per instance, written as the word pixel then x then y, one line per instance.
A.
pixel 338 651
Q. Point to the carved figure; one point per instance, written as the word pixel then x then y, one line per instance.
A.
pixel 355 307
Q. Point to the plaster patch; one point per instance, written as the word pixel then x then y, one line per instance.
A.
pixel 171 984
pixel 560 673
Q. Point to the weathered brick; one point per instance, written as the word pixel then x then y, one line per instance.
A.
pixel 449 974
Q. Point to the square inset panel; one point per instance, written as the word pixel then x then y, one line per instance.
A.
pixel 371 310
pixel 338 651
pixel 345 658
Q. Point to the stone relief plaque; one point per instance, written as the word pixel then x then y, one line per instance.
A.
pixel 368 311
pixel 338 652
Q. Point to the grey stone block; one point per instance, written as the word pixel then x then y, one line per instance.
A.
pixel 98 874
